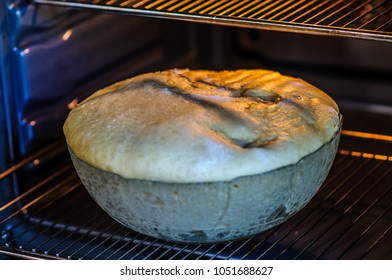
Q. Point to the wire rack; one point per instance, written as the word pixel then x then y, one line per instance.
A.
pixel 349 218
pixel 366 19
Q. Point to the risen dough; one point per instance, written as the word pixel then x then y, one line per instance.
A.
pixel 187 126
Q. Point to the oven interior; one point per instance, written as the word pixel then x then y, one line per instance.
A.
pixel 55 53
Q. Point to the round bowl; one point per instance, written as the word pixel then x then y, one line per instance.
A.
pixel 213 211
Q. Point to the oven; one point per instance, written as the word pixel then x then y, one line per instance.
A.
pixel 54 53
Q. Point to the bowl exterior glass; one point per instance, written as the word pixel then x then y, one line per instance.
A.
pixel 212 211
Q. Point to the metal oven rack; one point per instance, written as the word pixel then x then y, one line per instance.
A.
pixel 349 218
pixel 53 217
pixel 366 19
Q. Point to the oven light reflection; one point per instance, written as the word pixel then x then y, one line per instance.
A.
pixel 67 34
pixel 72 104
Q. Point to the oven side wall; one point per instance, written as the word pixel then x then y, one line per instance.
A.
pixel 6 154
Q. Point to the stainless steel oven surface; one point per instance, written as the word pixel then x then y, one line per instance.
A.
pixel 54 53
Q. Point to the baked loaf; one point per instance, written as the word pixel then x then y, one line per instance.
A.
pixel 204 156
pixel 187 126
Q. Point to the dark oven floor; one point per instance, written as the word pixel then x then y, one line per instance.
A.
pixel 349 218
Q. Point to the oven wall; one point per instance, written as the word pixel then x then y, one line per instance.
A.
pixel 5 193
pixel 57 57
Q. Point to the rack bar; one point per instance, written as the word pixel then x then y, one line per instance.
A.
pixel 347 210
pixel 243 14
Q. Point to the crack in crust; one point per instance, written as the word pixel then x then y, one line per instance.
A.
pixel 257 95
pixel 260 143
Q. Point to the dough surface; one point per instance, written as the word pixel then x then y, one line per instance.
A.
pixel 189 126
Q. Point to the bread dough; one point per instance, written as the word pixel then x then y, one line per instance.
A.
pixel 188 126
